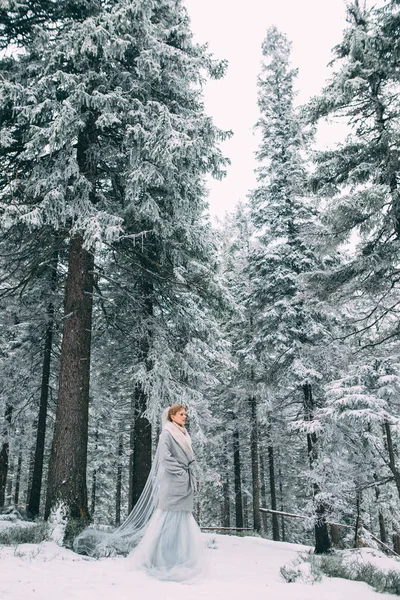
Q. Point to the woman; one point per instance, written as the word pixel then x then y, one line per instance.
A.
pixel 165 538
pixel 172 547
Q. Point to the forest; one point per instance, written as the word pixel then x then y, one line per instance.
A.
pixel 277 328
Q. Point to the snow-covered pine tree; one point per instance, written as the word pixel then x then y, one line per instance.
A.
pixel 288 329
pixel 237 394
pixel 110 137
pixel 362 417
pixel 30 313
pixel 358 179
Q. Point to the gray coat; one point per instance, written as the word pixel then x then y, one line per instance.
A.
pixel 177 483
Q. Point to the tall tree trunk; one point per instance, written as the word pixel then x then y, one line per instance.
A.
pixel 36 484
pixel 131 454
pixel 18 479
pixel 94 477
pixel 264 515
pixel 392 456
pixel 322 540
pixel 142 432
pixel 9 486
pixel 141 463
pixel 254 464
pixel 226 507
pixel 31 464
pixel 68 460
pixel 359 521
pixel 4 454
pixel 245 510
pixel 381 518
pixel 272 488
pixel 118 491
pixel 93 492
pixel 283 527
pixel 237 477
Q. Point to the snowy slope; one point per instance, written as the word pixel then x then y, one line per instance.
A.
pixel 238 569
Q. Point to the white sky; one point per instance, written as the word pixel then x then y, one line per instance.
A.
pixel 235 29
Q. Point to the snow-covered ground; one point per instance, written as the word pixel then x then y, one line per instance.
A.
pixel 238 568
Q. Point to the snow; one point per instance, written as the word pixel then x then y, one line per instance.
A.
pixel 238 568
pixel 6 523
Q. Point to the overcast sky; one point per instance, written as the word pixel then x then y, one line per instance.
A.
pixel 235 29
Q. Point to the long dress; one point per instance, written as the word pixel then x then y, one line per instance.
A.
pixel 172 546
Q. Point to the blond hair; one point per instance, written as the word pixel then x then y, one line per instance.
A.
pixel 175 408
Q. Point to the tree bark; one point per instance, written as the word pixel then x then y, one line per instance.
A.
pixel 141 462
pixel 68 460
pixel 254 465
pixel 358 526
pixel 4 454
pixel 94 478
pixel 118 491
pixel 237 477
pixel 392 456
pixel 245 510
pixel 131 453
pixel 381 519
pixel 264 516
pixel 283 528
pixel 142 431
pixel 36 483
pixel 18 479
pixel 226 507
pixel 322 540
pixel 272 488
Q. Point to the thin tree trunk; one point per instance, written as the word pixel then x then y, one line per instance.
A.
pixel 131 454
pixel 93 492
pixel 118 491
pixel 68 460
pixel 392 456
pixel 4 454
pixel 283 528
pixel 245 510
pixel 237 477
pixel 9 486
pixel 36 484
pixel 357 532
pixel 381 519
pixel 254 465
pixel 30 469
pixel 94 478
pixel 322 540
pixel 226 507
pixel 272 488
pixel 264 515
pixel 142 432
pixel 18 479
pixel 141 463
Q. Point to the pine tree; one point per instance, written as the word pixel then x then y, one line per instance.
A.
pixel 112 140
pixel 357 180
pixel 287 327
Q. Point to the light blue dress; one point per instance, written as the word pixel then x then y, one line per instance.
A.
pixel 172 547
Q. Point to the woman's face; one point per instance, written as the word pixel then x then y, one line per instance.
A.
pixel 180 417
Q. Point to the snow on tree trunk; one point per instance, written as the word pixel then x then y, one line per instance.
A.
pixel 322 540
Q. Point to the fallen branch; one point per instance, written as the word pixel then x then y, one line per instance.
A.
pixel 227 528
pixel 296 516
